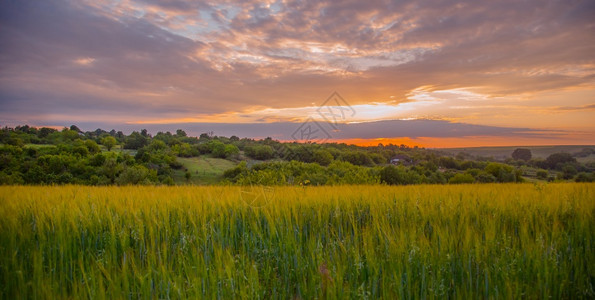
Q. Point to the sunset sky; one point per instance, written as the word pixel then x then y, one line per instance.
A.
pixel 429 73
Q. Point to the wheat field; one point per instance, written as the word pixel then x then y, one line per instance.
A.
pixel 222 242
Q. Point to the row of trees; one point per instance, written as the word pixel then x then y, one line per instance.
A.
pixel 72 164
pixel 341 172
pixel 72 156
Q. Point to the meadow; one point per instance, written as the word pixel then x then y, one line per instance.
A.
pixel 223 242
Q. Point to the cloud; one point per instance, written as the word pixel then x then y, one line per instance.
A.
pixel 139 60
pixel 584 107
pixel 288 131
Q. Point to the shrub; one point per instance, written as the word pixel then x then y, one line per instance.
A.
pixel 542 174
pixel 584 177
pixel 260 152
pixel 135 175
pixel 461 178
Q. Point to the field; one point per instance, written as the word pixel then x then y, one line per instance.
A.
pixel 458 241
pixel 537 151
pixel 203 169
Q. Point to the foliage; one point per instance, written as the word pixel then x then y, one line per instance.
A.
pixel 557 160
pixel 136 175
pixel 461 178
pixel 32 155
pixel 322 157
pixel 296 173
pixel 541 174
pixel 521 154
pixel 260 152
pixel 502 172
pixel 398 175
pixel 109 142
pixel 585 177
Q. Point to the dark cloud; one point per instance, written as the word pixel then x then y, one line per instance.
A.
pixel 151 59
pixel 584 107
pixel 288 131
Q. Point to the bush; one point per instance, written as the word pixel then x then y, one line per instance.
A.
pixel 135 141
pixel 236 171
pixel 322 157
pixel 568 171
pixel 14 178
pixel 461 178
pixel 217 148
pixel 485 177
pixel 557 160
pixel 584 177
pixel 136 175
pixel 357 158
pixel 230 150
pixel 14 141
pixel 502 172
pixel 542 174
pixel 92 146
pixel 260 152
pixel 184 150
pixel 109 142
pixel 399 175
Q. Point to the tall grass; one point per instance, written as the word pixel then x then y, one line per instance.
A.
pixel 464 241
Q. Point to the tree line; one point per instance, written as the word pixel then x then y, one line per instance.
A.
pixel 30 155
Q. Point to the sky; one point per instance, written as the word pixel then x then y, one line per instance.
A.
pixel 426 73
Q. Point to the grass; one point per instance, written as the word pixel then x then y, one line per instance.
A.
pixel 456 241
pixel 39 146
pixel 204 169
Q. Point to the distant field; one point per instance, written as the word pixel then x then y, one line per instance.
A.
pixel 534 241
pixel 204 170
pixel 505 152
pixel 38 146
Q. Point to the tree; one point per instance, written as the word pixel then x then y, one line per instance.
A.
pixel 15 141
pixel 92 146
pixel 568 171
pixel 74 128
pixel 260 152
pixel 136 175
pixel 502 172
pixel 230 150
pixel 541 174
pixel 109 142
pixel 45 131
pixel 322 157
pixel 238 170
pixel 217 148
pixel 398 175
pixel 584 177
pixel 69 135
pixel 461 178
pixel 521 154
pixel 558 160
pixel 135 141
pixel 180 133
